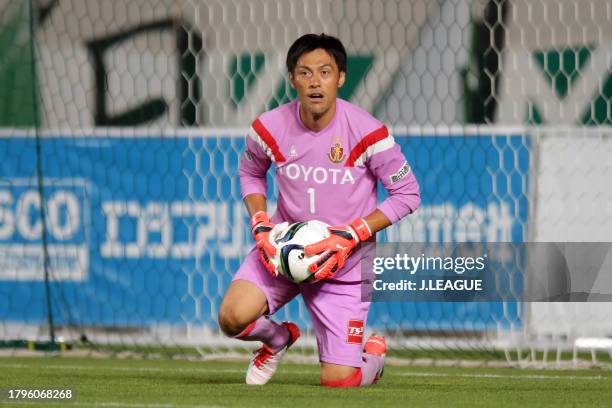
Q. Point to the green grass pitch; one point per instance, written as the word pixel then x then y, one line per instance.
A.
pixel 138 383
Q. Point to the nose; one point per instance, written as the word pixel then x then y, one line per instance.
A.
pixel 315 80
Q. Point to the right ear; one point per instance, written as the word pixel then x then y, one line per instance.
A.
pixel 291 80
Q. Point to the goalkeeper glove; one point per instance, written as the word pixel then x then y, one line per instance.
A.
pixel 261 227
pixel 336 248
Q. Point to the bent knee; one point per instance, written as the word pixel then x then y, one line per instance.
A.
pixel 232 322
pixel 341 376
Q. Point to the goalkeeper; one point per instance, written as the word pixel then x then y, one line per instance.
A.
pixel 329 156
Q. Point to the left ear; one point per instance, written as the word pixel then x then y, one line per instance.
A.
pixel 341 79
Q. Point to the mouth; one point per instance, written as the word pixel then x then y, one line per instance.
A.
pixel 315 97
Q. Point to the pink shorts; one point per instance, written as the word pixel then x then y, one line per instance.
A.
pixel 338 315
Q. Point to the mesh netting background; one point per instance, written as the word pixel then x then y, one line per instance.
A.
pixel 123 121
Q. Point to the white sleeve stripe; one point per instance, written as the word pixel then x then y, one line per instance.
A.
pixel 380 146
pixel 257 139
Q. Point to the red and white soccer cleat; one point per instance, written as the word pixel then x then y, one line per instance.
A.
pixel 265 362
pixel 377 346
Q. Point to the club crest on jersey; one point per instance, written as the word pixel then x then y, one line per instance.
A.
pixel 336 152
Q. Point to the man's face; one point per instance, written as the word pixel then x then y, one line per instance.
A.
pixel 316 79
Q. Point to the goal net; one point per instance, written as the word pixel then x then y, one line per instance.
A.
pixel 122 123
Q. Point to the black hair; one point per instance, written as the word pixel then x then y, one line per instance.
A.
pixel 311 42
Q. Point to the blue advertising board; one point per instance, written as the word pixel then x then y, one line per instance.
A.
pixel 144 230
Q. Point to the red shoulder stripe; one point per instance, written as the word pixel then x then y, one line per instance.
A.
pixel 369 139
pixel 268 140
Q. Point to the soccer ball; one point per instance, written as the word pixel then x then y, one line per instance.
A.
pixel 291 261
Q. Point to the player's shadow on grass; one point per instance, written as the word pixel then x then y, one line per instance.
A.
pixel 204 379
pixel 294 382
pixel 176 378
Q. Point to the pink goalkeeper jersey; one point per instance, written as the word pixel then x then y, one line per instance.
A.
pixel 330 175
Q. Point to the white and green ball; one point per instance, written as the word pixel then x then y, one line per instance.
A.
pixel 291 261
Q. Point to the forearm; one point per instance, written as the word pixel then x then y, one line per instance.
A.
pixel 255 203
pixel 377 221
